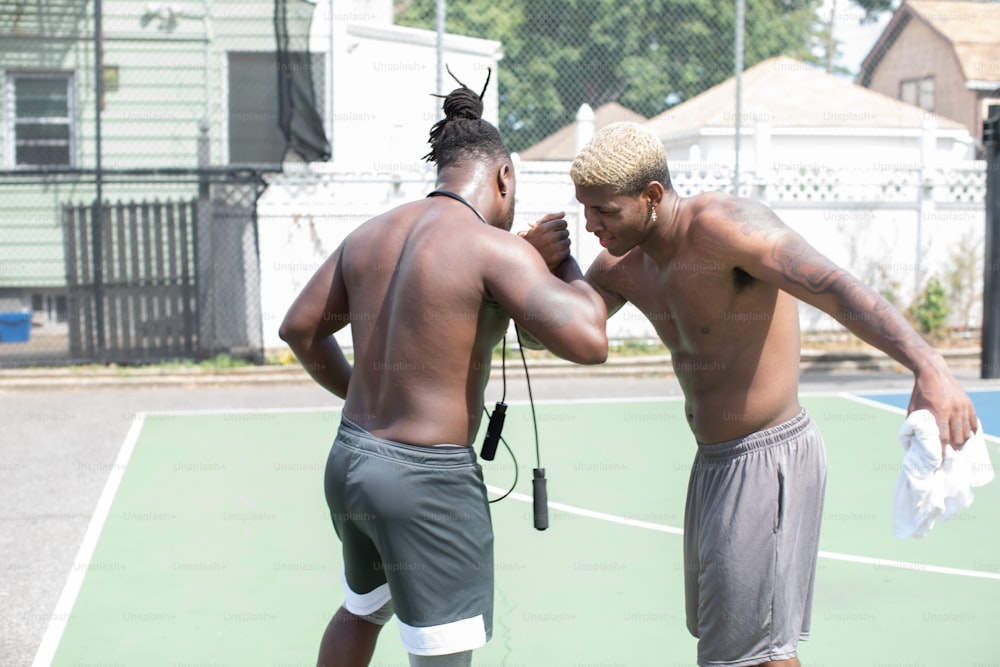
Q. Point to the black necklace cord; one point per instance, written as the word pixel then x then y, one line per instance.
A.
pixel 458 197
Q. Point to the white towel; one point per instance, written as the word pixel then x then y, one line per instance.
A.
pixel 928 487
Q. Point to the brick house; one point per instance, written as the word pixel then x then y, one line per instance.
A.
pixel 943 56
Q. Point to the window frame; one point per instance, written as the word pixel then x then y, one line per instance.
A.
pixel 923 85
pixel 909 86
pixel 921 88
pixel 11 121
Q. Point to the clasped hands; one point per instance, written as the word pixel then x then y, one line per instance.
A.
pixel 550 237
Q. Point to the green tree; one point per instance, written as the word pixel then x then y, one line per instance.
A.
pixel 963 277
pixel 873 8
pixel 647 55
pixel 930 311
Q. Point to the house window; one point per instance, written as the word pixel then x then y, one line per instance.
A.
pixel 908 91
pixel 254 137
pixel 918 92
pixel 925 94
pixel 39 120
pixel 254 134
pixel 52 307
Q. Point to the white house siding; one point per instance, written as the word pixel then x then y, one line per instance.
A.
pixel 382 103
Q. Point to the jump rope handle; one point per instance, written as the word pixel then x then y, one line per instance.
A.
pixel 541 500
pixel 493 432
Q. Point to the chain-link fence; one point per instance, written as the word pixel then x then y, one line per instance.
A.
pixel 643 55
pixel 137 138
pixel 165 268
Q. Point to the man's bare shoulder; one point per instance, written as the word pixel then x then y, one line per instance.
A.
pixel 718 215
pixel 398 217
pixel 450 235
pixel 615 273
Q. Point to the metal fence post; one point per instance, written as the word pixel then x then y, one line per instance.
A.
pixel 990 359
pixel 97 212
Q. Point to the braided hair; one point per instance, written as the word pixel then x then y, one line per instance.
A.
pixel 463 134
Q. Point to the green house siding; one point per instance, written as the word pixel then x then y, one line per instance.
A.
pixel 170 74
pixel 31 242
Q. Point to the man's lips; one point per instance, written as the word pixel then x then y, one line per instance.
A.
pixel 605 241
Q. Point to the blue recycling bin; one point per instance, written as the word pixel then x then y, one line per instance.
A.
pixel 15 327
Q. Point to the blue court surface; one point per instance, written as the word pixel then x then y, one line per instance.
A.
pixel 987 405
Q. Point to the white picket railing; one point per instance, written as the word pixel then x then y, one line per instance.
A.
pixel 892 225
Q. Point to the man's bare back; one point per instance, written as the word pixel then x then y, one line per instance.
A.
pixel 427 288
pixel 422 299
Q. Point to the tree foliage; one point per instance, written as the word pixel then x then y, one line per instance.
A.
pixel 874 7
pixel 647 55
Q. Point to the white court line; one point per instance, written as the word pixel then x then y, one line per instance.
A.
pixel 569 509
pixel 673 530
pixel 64 607
pixel 873 404
pixel 894 408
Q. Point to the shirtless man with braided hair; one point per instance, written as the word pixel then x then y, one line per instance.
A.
pixel 429 289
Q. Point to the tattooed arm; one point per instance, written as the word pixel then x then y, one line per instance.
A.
pixel 769 251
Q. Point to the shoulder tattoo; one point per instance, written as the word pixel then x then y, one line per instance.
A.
pixel 754 218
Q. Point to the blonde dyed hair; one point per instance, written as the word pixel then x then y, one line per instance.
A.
pixel 625 156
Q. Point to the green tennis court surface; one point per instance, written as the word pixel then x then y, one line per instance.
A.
pixel 212 546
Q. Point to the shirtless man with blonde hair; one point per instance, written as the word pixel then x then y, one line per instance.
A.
pixel 719 278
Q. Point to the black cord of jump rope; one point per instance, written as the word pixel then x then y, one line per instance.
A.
pixel 531 401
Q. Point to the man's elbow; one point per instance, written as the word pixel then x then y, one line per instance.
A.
pixel 597 335
pixel 294 336
pixel 596 351
pixel 286 332
pixel 590 345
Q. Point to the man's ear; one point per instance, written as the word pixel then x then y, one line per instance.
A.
pixel 504 178
pixel 654 192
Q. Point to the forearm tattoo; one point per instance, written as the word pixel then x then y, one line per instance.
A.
pixel 855 305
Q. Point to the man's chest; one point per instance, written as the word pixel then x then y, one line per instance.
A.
pixel 693 306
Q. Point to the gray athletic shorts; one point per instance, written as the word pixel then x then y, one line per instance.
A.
pixel 751 539
pixel 416 528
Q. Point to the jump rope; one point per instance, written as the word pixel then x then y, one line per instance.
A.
pixel 494 428
pixel 540 501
